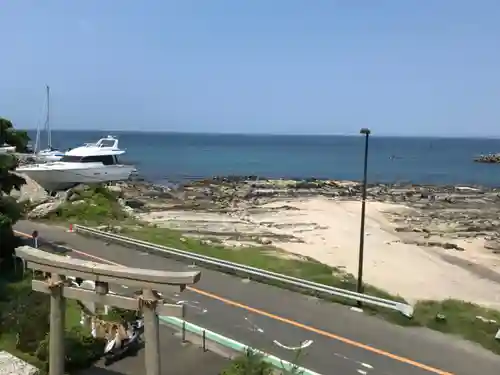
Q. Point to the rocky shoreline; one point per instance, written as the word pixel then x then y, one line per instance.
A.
pixel 446 211
pixel 434 229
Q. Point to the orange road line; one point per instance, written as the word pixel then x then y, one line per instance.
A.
pixel 285 320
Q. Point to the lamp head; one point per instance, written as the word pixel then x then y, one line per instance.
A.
pixel 365 131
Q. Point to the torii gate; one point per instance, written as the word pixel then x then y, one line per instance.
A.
pixel 144 279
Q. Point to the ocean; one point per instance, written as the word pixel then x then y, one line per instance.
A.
pixel 176 157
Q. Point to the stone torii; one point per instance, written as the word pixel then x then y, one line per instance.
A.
pixel 148 301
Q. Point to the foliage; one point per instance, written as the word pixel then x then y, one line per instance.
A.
pixel 24 313
pixel 12 137
pixel 30 318
pixel 93 204
pixel 8 243
pixel 8 180
pixel 116 314
pixel 251 363
pixel 10 211
pixel 472 322
pixel 81 349
pixel 24 326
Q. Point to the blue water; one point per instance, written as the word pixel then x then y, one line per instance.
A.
pixel 162 157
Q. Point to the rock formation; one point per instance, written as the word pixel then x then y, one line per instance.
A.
pixel 489 158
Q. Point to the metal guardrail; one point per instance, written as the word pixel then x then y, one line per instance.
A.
pixel 250 272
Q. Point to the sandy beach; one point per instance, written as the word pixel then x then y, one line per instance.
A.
pixel 415 272
pixel 416 265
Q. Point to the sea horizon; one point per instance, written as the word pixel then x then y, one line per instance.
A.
pixel 173 157
pixel 310 135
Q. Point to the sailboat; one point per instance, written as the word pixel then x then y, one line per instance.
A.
pixel 6 149
pixel 50 153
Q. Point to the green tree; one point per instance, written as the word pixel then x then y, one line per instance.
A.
pixel 10 211
pixel 13 137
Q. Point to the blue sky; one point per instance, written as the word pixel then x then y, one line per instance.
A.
pixel 400 67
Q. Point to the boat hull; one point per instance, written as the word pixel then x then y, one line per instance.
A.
pixel 7 149
pixel 52 178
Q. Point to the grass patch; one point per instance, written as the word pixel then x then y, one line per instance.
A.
pixel 89 205
pixel 265 257
pixel 248 364
pixel 465 319
pixel 10 287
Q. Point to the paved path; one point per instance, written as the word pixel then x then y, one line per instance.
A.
pixel 344 341
pixel 177 359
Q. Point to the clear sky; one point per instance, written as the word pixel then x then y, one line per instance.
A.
pixel 400 67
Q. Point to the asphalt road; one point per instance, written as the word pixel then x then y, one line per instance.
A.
pixel 343 341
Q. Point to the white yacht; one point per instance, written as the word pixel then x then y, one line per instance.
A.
pixel 6 149
pixel 87 164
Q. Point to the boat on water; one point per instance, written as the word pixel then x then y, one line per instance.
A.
pixel 50 153
pixel 88 164
pixel 6 149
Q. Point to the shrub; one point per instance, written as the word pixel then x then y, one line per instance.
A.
pixel 81 349
pixel 251 363
pixel 116 314
pixel 90 204
pixel 10 211
pixel 26 313
pixel 8 243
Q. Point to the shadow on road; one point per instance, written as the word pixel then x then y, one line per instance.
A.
pixel 96 370
pixel 58 247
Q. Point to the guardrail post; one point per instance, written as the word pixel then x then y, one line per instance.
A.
pixel 183 331
pixel 151 332
pixel 57 318
pixel 204 341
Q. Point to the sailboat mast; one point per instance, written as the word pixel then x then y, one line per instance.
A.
pixel 47 121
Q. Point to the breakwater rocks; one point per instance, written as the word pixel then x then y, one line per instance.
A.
pixel 489 158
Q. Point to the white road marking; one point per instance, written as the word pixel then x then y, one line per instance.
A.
pixel 303 345
pixel 254 327
pixel 192 304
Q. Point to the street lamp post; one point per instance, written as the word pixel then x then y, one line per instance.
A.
pixel 359 288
